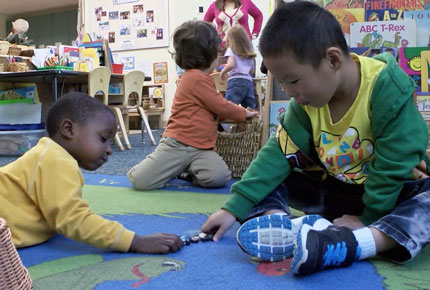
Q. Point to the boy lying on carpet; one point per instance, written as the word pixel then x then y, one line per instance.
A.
pixel 348 148
pixel 189 140
pixel 40 192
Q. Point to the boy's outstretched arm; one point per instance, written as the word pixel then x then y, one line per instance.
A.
pixel 160 243
pixel 218 223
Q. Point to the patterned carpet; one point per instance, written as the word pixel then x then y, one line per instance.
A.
pixel 181 208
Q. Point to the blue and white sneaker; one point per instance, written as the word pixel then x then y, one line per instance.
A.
pixel 315 250
pixel 271 237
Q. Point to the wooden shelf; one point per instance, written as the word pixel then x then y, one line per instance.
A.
pixel 156 104
pixel 6 56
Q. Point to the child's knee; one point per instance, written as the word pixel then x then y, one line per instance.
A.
pixel 140 182
pixel 213 178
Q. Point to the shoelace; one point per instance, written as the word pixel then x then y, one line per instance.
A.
pixel 335 254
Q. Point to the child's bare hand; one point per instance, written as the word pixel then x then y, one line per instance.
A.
pixel 223 75
pixel 250 114
pixel 420 171
pixel 349 221
pixel 160 243
pixel 218 223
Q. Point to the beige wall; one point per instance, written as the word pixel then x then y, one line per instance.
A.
pixel 4 31
pixel 179 12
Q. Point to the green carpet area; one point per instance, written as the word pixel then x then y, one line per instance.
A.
pixel 161 202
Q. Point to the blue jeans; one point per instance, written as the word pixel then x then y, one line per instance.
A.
pixel 241 92
pixel 408 224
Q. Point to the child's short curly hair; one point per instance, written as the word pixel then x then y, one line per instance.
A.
pixel 78 107
pixel 196 44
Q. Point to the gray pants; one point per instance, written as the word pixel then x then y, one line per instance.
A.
pixel 172 158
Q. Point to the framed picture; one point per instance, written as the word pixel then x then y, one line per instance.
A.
pixel 160 72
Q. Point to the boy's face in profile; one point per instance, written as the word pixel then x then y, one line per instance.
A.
pixel 304 83
pixel 91 142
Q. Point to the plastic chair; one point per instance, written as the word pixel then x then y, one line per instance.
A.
pixel 98 81
pixel 133 83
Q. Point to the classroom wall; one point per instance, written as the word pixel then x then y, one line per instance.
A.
pixel 179 12
pixel 3 30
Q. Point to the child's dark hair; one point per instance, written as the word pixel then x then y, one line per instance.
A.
pixel 196 44
pixel 78 107
pixel 303 30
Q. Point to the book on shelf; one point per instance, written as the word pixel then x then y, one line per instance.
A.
pixel 347 16
pixel 394 4
pixel 422 19
pixel 383 14
pixel 379 34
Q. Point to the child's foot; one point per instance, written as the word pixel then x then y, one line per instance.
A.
pixel 318 250
pixel 185 176
pixel 271 237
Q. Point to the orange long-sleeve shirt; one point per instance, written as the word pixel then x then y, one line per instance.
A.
pixel 197 109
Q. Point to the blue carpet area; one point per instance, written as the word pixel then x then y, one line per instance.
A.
pixel 173 185
pixel 197 266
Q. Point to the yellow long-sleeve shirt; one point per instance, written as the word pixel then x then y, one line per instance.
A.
pixel 40 194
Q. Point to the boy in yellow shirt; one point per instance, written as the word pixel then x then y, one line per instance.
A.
pixel 40 192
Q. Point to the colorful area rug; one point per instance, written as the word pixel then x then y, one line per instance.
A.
pixel 181 208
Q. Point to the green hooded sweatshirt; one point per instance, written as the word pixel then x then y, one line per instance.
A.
pixel 400 137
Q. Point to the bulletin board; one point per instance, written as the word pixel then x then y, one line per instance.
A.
pixel 129 24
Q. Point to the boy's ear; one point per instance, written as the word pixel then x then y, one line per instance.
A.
pixel 335 57
pixel 67 128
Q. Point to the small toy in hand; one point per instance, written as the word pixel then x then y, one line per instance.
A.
pixel 202 237
pixel 197 238
pixel 186 239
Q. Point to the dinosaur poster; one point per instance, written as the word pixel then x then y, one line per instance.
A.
pixel 377 34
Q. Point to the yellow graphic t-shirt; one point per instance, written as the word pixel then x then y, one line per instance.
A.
pixel 346 147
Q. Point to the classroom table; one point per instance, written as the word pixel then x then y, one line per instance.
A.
pixel 54 77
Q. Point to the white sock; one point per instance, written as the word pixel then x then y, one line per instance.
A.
pixel 319 225
pixel 366 243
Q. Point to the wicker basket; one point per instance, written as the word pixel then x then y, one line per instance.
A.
pixel 13 50
pixel 13 274
pixel 239 149
pixel 16 67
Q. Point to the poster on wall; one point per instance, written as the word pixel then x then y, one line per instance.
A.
pixel 277 108
pixel 129 24
pixel 346 17
pixel 377 34
pixel 160 73
pixel 422 18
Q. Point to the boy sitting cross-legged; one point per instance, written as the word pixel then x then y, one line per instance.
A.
pixel 350 148
pixel 40 192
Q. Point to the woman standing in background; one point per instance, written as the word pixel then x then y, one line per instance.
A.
pixel 230 12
